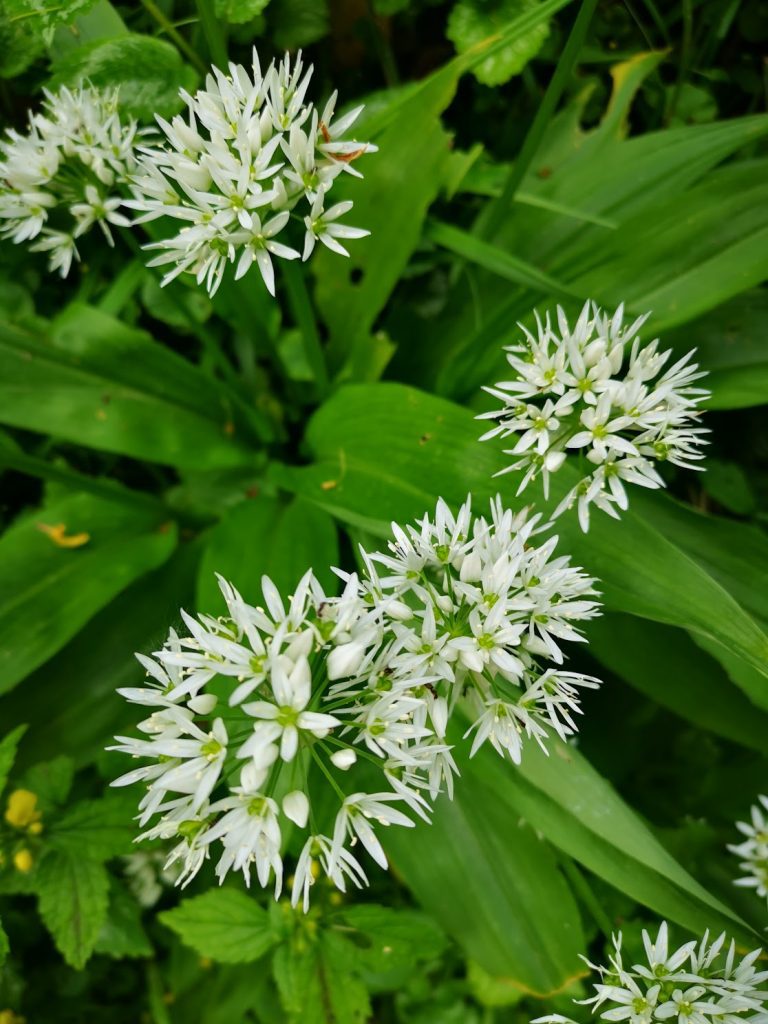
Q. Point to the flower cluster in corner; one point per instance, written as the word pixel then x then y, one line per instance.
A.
pixel 66 173
pixel 699 983
pixel 592 395
pixel 753 851
pixel 251 151
pixel 258 716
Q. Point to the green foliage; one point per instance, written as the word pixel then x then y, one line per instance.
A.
pixel 236 12
pixel 116 546
pixel 153 437
pixel 224 924
pixel 472 21
pixel 149 73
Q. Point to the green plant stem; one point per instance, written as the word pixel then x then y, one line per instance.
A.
pixel 214 36
pixel 685 58
pixel 262 426
pixel 173 33
pixel 101 487
pixel 301 307
pixel 540 123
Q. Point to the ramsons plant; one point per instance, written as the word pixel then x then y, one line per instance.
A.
pixel 203 408
pixel 462 609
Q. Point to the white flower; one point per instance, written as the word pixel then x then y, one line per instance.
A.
pixel 354 821
pixel 250 142
pixel 753 851
pixel 695 984
pixel 71 168
pixel 287 718
pixel 316 855
pixel 592 390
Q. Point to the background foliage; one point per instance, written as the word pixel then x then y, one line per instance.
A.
pixel 529 153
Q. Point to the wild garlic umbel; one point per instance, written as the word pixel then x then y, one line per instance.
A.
pixel 251 153
pixel 258 717
pixel 67 173
pixel 594 396
pixel 702 982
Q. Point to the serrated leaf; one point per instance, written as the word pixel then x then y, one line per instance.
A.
pixel 472 21
pixel 104 828
pixel 387 939
pixel 148 71
pixel 72 898
pixel 8 746
pixel 51 781
pixel 316 985
pixel 223 924
pixel 122 934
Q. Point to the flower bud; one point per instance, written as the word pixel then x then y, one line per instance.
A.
pixel 296 807
pixel 344 759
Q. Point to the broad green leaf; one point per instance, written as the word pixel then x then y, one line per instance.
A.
pixel 565 799
pixel 38 577
pixel 407 169
pixel 472 21
pixel 8 746
pixel 122 934
pixel 297 23
pixel 223 924
pixel 730 346
pixel 104 828
pixel 148 71
pixel 509 908
pixel 50 781
pixel 263 536
pixel 237 12
pixel 386 451
pixel 101 657
pixel 96 382
pixel 389 941
pixel 315 982
pixel 667 666
pixel 72 899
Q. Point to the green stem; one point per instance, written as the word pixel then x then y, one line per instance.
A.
pixel 101 487
pixel 214 36
pixel 541 122
pixel 301 307
pixel 319 761
pixel 170 30
pixel 122 288
pixel 210 346
pixel 685 58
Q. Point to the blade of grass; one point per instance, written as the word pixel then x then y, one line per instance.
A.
pixel 543 116
pixel 463 244
pixel 213 33
pixel 301 307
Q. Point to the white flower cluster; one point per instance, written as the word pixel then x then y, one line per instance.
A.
pixel 753 852
pixel 66 172
pixel 586 392
pixel 257 716
pixel 699 983
pixel 250 151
